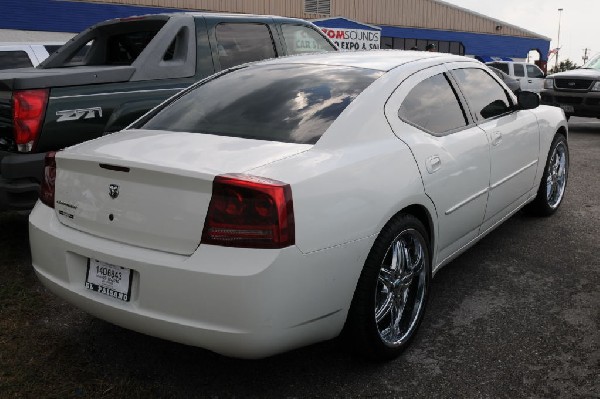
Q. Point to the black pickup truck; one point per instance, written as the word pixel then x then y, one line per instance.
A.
pixel 576 91
pixel 112 73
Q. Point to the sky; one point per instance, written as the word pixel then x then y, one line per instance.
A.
pixel 579 27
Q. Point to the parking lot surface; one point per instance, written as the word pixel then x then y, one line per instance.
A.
pixel 518 315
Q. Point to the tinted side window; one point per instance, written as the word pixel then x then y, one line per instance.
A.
pixel 14 59
pixel 302 39
pixel 501 66
pixel 241 43
pixel 499 73
pixel 485 96
pixel 78 58
pixel 433 106
pixel 177 50
pixel 519 70
pixel 534 72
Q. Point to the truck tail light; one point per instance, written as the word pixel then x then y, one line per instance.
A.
pixel 29 107
pixel 48 184
pixel 249 212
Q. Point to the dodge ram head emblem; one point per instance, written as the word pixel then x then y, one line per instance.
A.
pixel 113 191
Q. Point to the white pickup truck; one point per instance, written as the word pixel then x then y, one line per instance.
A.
pixel 529 76
pixel 25 55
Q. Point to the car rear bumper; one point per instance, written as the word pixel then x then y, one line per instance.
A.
pixel 20 176
pixel 238 302
pixel 585 104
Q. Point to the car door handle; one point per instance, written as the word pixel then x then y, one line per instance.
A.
pixel 496 138
pixel 433 164
pixel 530 81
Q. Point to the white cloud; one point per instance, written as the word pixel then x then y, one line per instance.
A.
pixel 578 26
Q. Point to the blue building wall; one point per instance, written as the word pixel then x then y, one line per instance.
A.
pixel 74 16
pixel 477 44
pixel 64 16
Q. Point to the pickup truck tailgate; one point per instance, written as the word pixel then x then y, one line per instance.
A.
pixel 33 78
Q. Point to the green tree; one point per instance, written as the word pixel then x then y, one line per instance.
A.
pixel 565 65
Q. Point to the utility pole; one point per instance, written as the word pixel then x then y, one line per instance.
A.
pixel 560 10
pixel 585 54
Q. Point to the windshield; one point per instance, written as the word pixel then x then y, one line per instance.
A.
pixel 292 103
pixel 593 63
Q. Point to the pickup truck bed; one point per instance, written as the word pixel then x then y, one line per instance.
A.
pixel 128 67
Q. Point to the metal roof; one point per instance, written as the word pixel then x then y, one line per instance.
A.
pixel 499 22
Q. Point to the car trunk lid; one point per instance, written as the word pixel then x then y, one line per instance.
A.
pixel 151 188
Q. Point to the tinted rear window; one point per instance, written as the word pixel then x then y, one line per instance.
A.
pixel 113 44
pixel 123 49
pixel 288 103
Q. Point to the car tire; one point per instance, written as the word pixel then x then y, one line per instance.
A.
pixel 392 291
pixel 554 180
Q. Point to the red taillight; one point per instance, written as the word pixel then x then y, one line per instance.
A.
pixel 48 186
pixel 29 107
pixel 249 212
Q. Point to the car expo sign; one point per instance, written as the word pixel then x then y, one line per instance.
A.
pixel 354 39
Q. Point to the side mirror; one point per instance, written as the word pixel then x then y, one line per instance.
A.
pixel 528 100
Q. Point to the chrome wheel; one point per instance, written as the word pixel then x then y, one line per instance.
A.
pixel 392 290
pixel 401 288
pixel 557 176
pixel 553 184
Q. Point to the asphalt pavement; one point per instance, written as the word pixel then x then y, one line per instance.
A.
pixel 516 316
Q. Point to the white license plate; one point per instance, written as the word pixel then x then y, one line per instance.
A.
pixel 111 280
pixel 567 108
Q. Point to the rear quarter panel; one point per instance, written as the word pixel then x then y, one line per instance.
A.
pixel 343 197
pixel 347 195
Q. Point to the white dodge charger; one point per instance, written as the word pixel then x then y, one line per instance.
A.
pixel 281 203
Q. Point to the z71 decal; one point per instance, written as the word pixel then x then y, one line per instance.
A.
pixel 76 114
